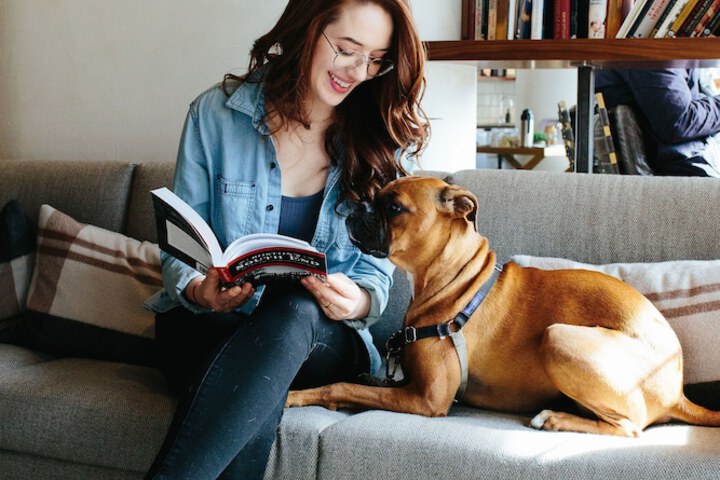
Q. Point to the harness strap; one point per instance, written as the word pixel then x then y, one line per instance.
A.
pixel 411 334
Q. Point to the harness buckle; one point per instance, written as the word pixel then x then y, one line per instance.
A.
pixel 410 335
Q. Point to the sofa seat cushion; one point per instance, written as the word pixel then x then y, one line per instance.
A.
pixel 296 452
pixel 473 443
pixel 80 410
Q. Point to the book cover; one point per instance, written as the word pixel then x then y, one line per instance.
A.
pixel 258 258
pixel 661 19
pixel 682 16
pixel 512 19
pixel 492 19
pixel 673 12
pixel 712 24
pixel 648 18
pixel 707 17
pixel 536 19
pixel 574 18
pixel 694 18
pixel 480 20
pixel 561 24
pixel 631 17
pixel 567 132
pixel 604 146
pixel 597 15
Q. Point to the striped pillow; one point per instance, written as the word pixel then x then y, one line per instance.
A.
pixel 686 292
pixel 87 292
pixel 17 257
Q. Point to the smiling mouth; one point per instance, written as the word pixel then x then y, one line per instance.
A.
pixel 340 83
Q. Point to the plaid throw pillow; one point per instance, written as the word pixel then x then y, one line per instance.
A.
pixel 87 292
pixel 17 256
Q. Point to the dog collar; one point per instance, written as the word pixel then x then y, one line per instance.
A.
pixel 451 328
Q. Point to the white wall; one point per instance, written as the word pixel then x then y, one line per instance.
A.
pixel 94 79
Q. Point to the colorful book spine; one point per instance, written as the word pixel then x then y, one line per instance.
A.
pixel 694 18
pixel 646 23
pixel 604 145
pixel 597 16
pixel 682 16
pixel 663 16
pixel 670 18
pixel 561 24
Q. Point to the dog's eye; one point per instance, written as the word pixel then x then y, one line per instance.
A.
pixel 393 209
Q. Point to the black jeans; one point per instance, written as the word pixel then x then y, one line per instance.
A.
pixel 233 373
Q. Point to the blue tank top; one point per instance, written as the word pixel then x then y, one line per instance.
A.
pixel 299 215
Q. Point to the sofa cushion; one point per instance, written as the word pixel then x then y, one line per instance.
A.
pixel 17 255
pixel 87 293
pixel 595 218
pixel 92 192
pixel 141 216
pixel 687 293
pixel 472 443
pixel 87 411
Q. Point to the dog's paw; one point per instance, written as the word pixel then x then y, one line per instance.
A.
pixel 538 422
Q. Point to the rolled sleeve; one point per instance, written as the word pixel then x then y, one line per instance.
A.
pixel 375 276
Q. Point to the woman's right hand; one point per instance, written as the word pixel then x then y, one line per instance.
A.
pixel 208 293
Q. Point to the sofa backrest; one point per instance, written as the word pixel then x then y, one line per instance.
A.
pixel 91 192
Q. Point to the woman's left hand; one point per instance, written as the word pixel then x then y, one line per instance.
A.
pixel 340 298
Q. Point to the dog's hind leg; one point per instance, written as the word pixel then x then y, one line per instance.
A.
pixel 625 382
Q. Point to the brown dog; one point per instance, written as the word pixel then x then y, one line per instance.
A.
pixel 538 336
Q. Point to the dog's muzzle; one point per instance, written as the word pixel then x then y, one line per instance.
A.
pixel 367 230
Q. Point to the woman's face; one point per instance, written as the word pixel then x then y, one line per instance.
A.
pixel 364 28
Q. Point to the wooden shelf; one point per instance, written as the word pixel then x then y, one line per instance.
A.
pixel 615 53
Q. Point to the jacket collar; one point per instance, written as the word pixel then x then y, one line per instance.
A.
pixel 249 98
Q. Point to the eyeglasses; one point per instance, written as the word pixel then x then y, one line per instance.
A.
pixel 352 59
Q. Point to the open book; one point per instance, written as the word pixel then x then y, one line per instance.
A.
pixel 257 258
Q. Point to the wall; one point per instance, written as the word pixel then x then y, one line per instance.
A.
pixel 94 79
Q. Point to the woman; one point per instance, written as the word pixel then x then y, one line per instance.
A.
pixel 329 106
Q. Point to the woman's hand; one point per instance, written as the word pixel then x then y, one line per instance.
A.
pixel 340 298
pixel 208 293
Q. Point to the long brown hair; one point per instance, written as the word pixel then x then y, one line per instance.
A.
pixel 379 117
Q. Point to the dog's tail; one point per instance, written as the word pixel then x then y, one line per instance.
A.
pixel 689 412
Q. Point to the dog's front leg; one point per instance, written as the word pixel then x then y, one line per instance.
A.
pixel 432 401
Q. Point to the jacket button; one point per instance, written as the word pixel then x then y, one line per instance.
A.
pixel 269 208
pixel 272 165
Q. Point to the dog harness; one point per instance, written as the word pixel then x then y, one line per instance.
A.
pixel 408 335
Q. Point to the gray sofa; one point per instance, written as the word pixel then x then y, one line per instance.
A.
pixel 78 418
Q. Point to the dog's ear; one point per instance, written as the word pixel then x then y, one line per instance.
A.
pixel 459 203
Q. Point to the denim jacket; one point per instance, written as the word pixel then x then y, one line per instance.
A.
pixel 227 170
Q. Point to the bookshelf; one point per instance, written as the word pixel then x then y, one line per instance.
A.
pixel 583 55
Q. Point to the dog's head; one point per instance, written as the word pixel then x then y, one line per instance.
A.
pixel 412 218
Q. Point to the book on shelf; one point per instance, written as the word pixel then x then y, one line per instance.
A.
pixel 709 29
pixel 682 16
pixel 648 18
pixel 537 16
pixel 568 136
pixel 661 20
pixel 688 27
pixel 605 156
pixel 561 24
pixel 597 16
pixel 672 13
pixel 258 258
